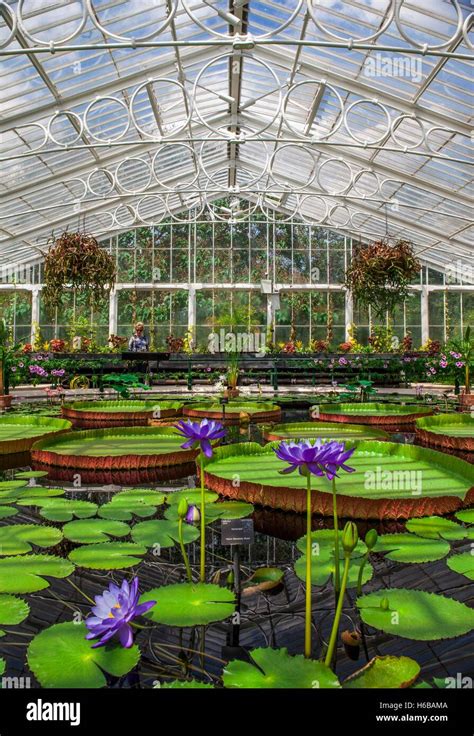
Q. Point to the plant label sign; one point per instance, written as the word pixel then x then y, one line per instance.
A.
pixel 237 531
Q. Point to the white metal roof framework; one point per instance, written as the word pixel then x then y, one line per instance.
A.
pixel 353 115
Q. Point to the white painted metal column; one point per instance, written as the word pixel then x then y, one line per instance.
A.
pixel 113 312
pixel 348 313
pixel 35 313
pixel 425 320
pixel 192 313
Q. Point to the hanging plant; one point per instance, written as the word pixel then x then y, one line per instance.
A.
pixel 77 260
pixel 379 274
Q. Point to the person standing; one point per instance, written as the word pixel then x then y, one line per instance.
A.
pixel 138 342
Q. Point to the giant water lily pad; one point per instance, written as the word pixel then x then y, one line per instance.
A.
pixel 108 555
pixel 140 502
pixel 162 534
pixel 450 431
pixel 411 548
pixel 16 539
pixel 189 604
pixel 235 411
pixel 385 672
pixel 323 430
pixel 436 527
pixel 323 563
pixel 275 668
pixel 462 563
pixel 17 434
pixel 370 412
pixel 12 610
pixel 416 614
pixel 61 657
pixel 91 531
pixel 64 509
pixel 391 481
pixel 27 573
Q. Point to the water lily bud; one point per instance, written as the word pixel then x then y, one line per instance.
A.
pixel 371 539
pixel 384 604
pixel 350 537
pixel 230 579
pixel 351 641
pixel 183 508
pixel 193 515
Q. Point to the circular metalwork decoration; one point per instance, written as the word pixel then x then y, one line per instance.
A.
pixel 151 203
pixel 362 180
pixel 237 210
pixel 171 160
pixel 219 148
pixel 100 182
pixel 152 9
pixel 317 209
pixel 137 171
pixel 337 164
pixel 466 28
pixel 59 22
pixel 315 9
pixel 398 123
pixel 44 132
pixel 270 201
pixel 375 140
pixel 71 184
pixel 228 19
pixel 336 212
pixel 430 143
pixel 150 102
pixel 69 117
pixel 124 215
pixel 301 157
pixel 110 117
pixel 217 79
pixel 307 108
pixel 12 22
pixel 425 24
pixel 193 203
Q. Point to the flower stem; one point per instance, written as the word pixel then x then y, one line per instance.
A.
pixel 359 592
pixel 337 616
pixel 183 550
pixel 203 524
pixel 337 572
pixel 307 624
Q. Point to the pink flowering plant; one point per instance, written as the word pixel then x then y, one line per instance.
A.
pixel 456 361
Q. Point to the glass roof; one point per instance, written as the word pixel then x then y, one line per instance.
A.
pixel 355 115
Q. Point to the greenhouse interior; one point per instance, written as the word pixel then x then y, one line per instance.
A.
pixel 237 346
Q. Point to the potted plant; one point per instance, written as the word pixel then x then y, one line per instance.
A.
pixel 232 375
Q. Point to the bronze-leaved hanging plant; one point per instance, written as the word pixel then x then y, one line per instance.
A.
pixel 76 260
pixel 380 274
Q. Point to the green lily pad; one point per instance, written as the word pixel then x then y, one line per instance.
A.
pixel 91 531
pixel 108 555
pixel 224 510
pixel 11 485
pixel 193 496
pixel 12 610
pixel 26 573
pixel 60 656
pixel 467 515
pixel 7 511
pixel 189 604
pixel 275 668
pixel 436 527
pixel 385 672
pixel 64 509
pixel 411 548
pixel 35 492
pixel 3 666
pixel 415 614
pixel 140 502
pixel 186 685
pixel 462 563
pixel 261 580
pixel 323 562
pixel 162 533
pixel 29 474
pixel 16 539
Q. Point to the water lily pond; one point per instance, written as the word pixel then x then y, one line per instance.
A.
pixel 109 584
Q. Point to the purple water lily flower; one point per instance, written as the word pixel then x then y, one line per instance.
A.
pixel 200 433
pixel 193 515
pixel 113 612
pixel 320 458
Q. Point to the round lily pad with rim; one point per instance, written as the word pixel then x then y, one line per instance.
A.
pixel 463 563
pixel 275 668
pixel 108 555
pixel 91 531
pixel 391 481
pixel 371 412
pixel 19 433
pixel 235 411
pixel 416 614
pixel 385 672
pixel 27 573
pixel 162 533
pixel 410 548
pixel 295 431
pixel 437 527
pixel 120 413
pixel 61 657
pixel 13 610
pixel 17 539
pixel 189 604
pixel 447 431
